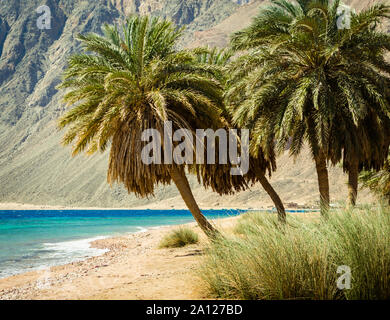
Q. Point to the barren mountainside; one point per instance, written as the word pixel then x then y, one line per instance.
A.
pixel 35 169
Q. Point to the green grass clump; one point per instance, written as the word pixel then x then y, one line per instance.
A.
pixel 266 260
pixel 179 238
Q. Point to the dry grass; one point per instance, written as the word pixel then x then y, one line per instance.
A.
pixel 179 238
pixel 264 260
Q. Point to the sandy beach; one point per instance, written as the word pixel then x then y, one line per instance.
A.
pixel 133 268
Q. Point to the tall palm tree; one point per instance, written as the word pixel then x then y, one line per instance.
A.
pixel 131 80
pixel 303 76
pixel 259 164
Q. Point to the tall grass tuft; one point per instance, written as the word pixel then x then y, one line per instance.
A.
pixel 361 240
pixel 266 260
pixel 179 238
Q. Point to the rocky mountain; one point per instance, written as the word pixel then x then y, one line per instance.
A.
pixel 35 169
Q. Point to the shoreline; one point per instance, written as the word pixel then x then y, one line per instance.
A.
pixel 125 271
pixel 13 206
pixel 23 206
pixel 94 242
pixel 133 268
pixel 98 242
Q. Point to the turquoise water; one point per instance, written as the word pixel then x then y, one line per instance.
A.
pixel 33 240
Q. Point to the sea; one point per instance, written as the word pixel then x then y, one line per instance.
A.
pixel 38 239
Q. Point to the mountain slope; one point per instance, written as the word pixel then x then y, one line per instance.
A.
pixel 218 36
pixel 34 168
pixel 242 17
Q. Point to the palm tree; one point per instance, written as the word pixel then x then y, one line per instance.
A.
pixel 303 76
pixel 363 143
pixel 130 81
pixel 218 59
pixel 378 181
pixel 360 148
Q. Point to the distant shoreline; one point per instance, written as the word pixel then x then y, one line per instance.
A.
pixel 155 206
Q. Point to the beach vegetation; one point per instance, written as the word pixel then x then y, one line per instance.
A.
pixel 302 259
pixel 293 78
pixel 378 182
pixel 130 80
pixel 302 80
pixel 261 163
pixel 179 238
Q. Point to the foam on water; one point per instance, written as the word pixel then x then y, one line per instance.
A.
pixel 52 254
pixel 74 248
pixel 141 230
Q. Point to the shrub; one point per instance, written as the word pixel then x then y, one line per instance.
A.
pixel 361 240
pixel 179 238
pixel 266 260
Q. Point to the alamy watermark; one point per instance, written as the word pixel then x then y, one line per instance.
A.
pixel 44 21
pixel 344 15
pixel 44 281
pixel 183 152
pixel 344 281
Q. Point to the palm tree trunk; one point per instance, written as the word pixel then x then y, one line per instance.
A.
pixel 274 196
pixel 353 175
pixel 181 182
pixel 323 183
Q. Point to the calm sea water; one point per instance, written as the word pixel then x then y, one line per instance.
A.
pixel 33 240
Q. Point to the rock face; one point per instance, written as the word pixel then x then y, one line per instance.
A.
pixel 3 33
pixel 34 168
pixel 218 35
